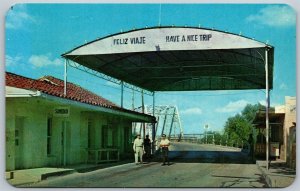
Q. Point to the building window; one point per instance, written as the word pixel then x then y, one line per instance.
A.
pixel 49 136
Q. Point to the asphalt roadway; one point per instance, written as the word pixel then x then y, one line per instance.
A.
pixel 201 166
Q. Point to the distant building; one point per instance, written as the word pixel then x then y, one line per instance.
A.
pixel 282 120
pixel 46 128
pixel 290 131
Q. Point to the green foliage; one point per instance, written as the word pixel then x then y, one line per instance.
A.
pixel 218 138
pixel 239 127
pixel 250 110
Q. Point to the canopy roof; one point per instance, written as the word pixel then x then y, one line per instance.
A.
pixel 179 59
pixel 274 118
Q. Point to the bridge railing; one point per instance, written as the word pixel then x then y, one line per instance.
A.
pixel 196 140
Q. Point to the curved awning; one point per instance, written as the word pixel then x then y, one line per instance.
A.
pixel 179 59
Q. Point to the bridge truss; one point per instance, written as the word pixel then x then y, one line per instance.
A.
pixel 168 122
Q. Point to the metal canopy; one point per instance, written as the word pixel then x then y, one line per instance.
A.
pixel 179 59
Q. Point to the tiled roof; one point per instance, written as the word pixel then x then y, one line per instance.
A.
pixel 55 87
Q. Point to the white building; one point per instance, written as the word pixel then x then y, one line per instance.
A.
pixel 46 128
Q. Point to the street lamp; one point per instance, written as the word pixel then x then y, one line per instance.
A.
pixel 206 127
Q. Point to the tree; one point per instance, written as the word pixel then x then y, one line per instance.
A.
pixel 239 127
pixel 250 111
pixel 218 138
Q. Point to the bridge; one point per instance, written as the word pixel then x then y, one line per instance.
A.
pixel 168 122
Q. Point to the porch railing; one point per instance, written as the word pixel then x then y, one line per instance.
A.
pixel 103 155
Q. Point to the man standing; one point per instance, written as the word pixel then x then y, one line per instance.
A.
pixel 147 146
pixel 164 144
pixel 138 149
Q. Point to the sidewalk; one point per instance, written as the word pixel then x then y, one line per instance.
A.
pixel 278 175
pixel 18 178
pixel 21 177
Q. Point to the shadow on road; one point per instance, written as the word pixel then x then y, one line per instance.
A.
pixel 207 157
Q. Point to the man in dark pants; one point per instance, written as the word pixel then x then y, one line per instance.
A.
pixel 147 147
pixel 164 145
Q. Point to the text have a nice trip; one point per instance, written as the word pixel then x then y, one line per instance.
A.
pixel 168 39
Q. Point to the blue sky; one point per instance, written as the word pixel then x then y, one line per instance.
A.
pixel 37 34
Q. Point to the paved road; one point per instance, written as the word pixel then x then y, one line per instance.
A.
pixel 191 166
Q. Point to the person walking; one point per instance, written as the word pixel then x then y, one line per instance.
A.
pixel 164 145
pixel 138 149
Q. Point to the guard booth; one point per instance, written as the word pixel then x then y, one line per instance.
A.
pixel 275 134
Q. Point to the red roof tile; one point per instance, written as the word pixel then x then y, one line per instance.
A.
pixel 55 87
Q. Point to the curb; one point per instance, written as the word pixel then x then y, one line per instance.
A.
pixel 59 173
pixel 266 177
pixel 277 180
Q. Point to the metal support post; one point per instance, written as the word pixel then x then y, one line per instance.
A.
pixel 65 78
pixel 122 93
pixel 132 99
pixel 267 107
pixel 141 127
pixel 157 121
pixel 143 110
pixel 153 124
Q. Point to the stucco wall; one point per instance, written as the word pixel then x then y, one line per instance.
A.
pixel 290 117
pixel 34 113
pixel 31 151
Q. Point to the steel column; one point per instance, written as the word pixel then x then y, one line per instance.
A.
pixel 122 93
pixel 153 124
pixel 65 78
pixel 267 107
pixel 143 110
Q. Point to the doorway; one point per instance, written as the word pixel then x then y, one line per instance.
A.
pixel 65 142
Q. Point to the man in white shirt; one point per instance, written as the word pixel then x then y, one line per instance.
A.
pixel 138 149
pixel 164 145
